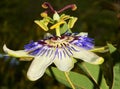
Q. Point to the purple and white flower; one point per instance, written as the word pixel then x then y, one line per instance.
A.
pixel 57 50
pixel 60 49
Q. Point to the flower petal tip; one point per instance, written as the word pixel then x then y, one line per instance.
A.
pixel 5 48
pixel 100 60
pixel 31 78
pixel 38 67
pixel 19 53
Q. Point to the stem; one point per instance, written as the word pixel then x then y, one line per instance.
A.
pixel 57 31
pixel 68 79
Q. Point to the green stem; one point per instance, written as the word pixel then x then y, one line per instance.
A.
pixel 57 31
pixel 100 49
pixel 68 79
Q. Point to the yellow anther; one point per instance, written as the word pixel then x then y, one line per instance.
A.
pixel 41 24
pixel 43 14
pixel 72 22
pixel 64 17
pixel 57 24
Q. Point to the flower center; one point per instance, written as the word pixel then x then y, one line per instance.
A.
pixel 59 41
pixel 57 20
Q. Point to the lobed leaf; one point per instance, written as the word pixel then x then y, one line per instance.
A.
pixel 80 81
pixel 93 73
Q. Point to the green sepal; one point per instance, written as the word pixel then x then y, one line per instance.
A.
pixel 64 29
pixel 111 48
pixel 72 22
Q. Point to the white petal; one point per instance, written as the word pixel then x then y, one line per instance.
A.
pixel 65 63
pixel 87 56
pixel 38 67
pixel 82 34
pixel 20 53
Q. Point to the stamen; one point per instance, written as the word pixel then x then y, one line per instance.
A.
pixel 57 24
pixel 72 6
pixel 44 14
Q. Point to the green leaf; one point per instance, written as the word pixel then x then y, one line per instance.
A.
pixel 104 84
pixel 116 79
pixel 64 29
pixel 80 81
pixel 92 70
pixel 111 48
pixel 93 73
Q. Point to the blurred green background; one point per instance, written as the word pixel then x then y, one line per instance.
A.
pixel 100 18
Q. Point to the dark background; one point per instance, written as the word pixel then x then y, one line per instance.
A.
pixel 100 18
